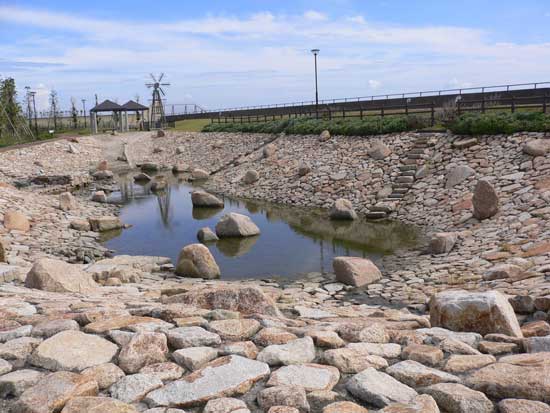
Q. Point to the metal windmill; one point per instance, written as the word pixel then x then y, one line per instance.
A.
pixel 156 115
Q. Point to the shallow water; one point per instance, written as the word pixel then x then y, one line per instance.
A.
pixel 293 241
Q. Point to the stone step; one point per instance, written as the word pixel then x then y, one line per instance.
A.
pixel 417 151
pixel 400 190
pixel 401 185
pixel 376 215
pixel 409 161
pixel 405 179
pixel 416 156
pixel 408 167
pixel 408 173
pixel 396 196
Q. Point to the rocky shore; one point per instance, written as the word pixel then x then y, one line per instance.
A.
pixel 81 331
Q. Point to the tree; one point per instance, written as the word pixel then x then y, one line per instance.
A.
pixel 54 103
pixel 74 113
pixel 9 108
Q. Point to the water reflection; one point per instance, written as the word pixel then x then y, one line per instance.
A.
pixel 292 241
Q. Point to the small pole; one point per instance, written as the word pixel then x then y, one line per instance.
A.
pixel 84 110
pixel 315 53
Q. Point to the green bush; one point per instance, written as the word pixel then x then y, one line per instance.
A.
pixel 500 123
pixel 305 126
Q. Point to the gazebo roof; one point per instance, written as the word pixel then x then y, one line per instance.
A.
pixel 134 106
pixel 107 106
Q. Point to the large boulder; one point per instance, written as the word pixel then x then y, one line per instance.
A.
pixel 247 300
pixel 355 271
pixel 236 225
pixel 74 351
pixel 442 242
pixel 67 201
pixel 269 150
pixel 143 349
pixel 298 351
pixel 196 261
pixel 484 312
pixel 485 200
pixel 343 209
pixel 199 174
pixel 106 223
pixel 57 276
pixel 379 151
pixel 454 397
pixel 458 175
pixel 537 147
pixel 204 199
pixel 251 176
pixel 324 136
pixel 223 377
pixel 15 220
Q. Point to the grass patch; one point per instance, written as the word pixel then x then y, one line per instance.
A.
pixel 191 125
pixel 500 123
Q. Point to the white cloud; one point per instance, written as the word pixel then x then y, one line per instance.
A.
pixel 374 84
pixel 357 19
pixel 315 15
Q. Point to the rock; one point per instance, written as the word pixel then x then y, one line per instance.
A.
pixel 421 404
pixel 97 405
pixel 5 367
pixel 326 339
pixel 309 376
pixel 159 184
pixel 273 335
pixel 458 175
pixel 71 148
pixel 184 337
pixel 536 344
pixel 102 166
pixel 133 388
pixel 387 350
pixel 456 398
pixel 235 330
pixel 297 351
pixel 424 354
pixel 57 276
pixel 484 313
pixel 379 151
pixel 461 363
pixel 504 271
pixel 438 334
pixel 485 200
pixel 523 304
pixel 102 224
pixel 15 383
pixel 283 409
pixel 80 225
pixel 524 376
pixel 537 147
pixel 199 174
pixel 52 327
pixel 243 348
pixel 355 271
pixel 324 136
pixel 193 358
pixel 104 374
pixel 123 321
pixel 344 407
pixel 536 329
pixel 269 150
pixel 149 167
pixel 67 201
pixel 206 235
pixel 52 392
pixel 74 351
pixel 164 371
pixel 416 375
pixel 15 220
pixel 142 177
pixel 196 261
pixel 225 405
pixel 142 350
pixel 291 396
pixel 204 199
pixel 18 349
pixel 303 169
pixel 522 406
pixel 372 333
pixel 342 210
pixel 379 389
pixel 161 133
pixel 239 374
pixel 236 225
pixel 99 196
pixel 103 175
pixel 353 361
pixel 246 300
pixel 3 250
pixel 442 242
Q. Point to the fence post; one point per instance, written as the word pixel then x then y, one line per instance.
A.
pixel 361 112
pixel 406 108
pixel 513 105
pixel 433 113
pixel 544 103
pixel 458 108
pixel 483 103
pixel 382 111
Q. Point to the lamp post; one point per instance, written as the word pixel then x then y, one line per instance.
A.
pixel 315 53
pixel 84 111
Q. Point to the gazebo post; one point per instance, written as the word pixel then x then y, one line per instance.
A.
pixel 93 123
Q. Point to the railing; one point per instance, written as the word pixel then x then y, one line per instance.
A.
pixel 427 93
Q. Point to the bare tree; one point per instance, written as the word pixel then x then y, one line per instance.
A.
pixel 74 113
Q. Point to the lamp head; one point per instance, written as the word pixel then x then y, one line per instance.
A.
pixel 315 51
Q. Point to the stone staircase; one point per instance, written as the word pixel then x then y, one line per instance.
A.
pixel 408 173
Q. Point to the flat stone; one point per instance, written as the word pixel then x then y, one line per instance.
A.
pixel 57 276
pixel 522 406
pixel 421 404
pixel 297 351
pixel 225 405
pixel 442 242
pixel 236 329
pixel 104 374
pixel 416 375
pixel 537 344
pixel 355 271
pixel 97 405
pixel 429 355
pixel 290 396
pixel 223 377
pixel 133 388
pixel 116 323
pixel 461 363
pixel 167 371
pixel 15 383
pixel 458 175
pixel 143 349
pixel 388 350
pixel 183 337
pixel 15 220
pixel 344 407
pixel 353 361
pixel 326 339
pixel 484 313
pixel 52 327
pixel 456 398
pixel 7 335
pixel 309 376
pixel 194 358
pixel 273 335
pixel 379 389
pixel 491 347
pixel 52 392
pixel 242 348
pixel 536 329
pixel 104 224
pixel 18 348
pixel 438 334
pixel 74 351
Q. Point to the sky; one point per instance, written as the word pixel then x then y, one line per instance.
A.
pixel 220 54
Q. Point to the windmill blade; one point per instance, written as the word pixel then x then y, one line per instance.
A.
pixel 153 77
pixel 162 91
pixel 165 84
pixel 161 76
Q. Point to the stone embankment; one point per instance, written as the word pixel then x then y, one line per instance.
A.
pixel 83 332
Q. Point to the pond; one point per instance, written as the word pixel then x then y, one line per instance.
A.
pixel 293 241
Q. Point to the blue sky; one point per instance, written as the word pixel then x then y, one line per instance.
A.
pixel 242 52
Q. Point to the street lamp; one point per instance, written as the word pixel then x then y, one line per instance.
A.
pixel 315 53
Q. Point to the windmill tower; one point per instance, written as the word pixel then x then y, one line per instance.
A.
pixel 157 119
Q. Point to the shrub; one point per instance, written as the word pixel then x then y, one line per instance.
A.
pixel 500 123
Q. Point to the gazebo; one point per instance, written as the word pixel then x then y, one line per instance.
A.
pixel 119 114
pixel 132 106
